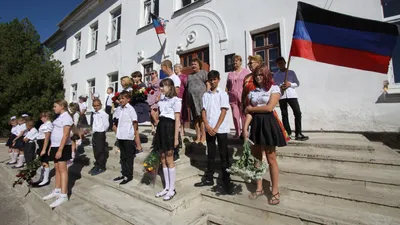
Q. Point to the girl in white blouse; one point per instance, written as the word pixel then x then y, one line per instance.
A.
pixel 265 131
pixel 43 141
pixel 60 152
pixel 166 138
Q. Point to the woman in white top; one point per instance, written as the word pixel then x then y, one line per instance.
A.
pixel 60 152
pixel 83 108
pixel 76 133
pixel 265 131
pixel 166 138
pixel 43 141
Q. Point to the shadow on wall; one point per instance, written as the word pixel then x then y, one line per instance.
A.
pixel 392 140
pixel 158 56
pixel 385 97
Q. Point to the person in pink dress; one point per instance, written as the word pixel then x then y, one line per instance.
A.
pixel 182 95
pixel 154 84
pixel 234 87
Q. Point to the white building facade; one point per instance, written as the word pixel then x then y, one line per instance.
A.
pixel 103 40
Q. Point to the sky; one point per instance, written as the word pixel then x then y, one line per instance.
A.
pixel 43 14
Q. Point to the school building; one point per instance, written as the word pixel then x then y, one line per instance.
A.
pixel 103 40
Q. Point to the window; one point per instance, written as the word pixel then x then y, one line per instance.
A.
pixel 150 7
pixel 147 73
pixel 116 25
pixel 113 81
pixel 91 89
pixel 94 34
pixel 391 8
pixel 187 2
pixel 267 45
pixel 187 58
pixel 78 43
pixel 74 93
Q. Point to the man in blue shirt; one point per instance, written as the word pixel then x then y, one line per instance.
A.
pixel 289 96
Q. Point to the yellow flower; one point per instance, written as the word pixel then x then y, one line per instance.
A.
pixel 144 164
pixel 150 169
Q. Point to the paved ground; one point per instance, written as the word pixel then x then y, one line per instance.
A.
pixel 12 211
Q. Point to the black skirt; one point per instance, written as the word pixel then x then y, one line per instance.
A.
pixel 45 157
pixel 66 154
pixel 265 130
pixel 165 135
pixel 10 140
pixel 19 143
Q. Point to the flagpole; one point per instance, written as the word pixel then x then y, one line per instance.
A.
pixel 286 74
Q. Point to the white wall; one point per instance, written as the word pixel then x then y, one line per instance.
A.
pixel 331 97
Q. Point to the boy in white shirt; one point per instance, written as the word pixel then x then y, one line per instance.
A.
pixel 126 128
pixel 100 126
pixel 215 107
pixel 29 139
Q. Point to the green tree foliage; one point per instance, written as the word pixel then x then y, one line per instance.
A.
pixel 30 80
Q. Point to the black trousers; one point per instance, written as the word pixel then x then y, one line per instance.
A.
pixel 127 155
pixel 223 149
pixel 100 149
pixel 29 151
pixel 294 104
pixel 110 119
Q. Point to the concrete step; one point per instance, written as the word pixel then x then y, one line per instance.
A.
pixel 314 212
pixel 76 211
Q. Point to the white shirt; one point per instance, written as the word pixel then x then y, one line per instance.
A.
pixel 14 130
pixel 32 135
pixel 20 128
pixel 127 115
pixel 108 101
pixel 76 118
pixel 260 96
pixel 82 106
pixel 100 121
pixel 177 82
pixel 117 112
pixel 44 128
pixel 169 106
pixel 292 78
pixel 212 104
pixel 58 129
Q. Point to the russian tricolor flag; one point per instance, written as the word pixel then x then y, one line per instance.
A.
pixel 334 38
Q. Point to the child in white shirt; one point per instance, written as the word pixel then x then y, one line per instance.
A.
pixel 29 139
pixel 18 143
pixel 126 129
pixel 13 135
pixel 43 141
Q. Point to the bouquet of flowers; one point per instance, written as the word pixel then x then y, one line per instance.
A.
pixel 248 167
pixel 139 94
pixel 115 98
pixel 28 173
pixel 152 162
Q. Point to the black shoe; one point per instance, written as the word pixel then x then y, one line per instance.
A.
pixel 92 170
pixel 139 151
pixel 301 137
pixel 17 167
pixel 9 163
pixel 204 183
pixel 98 171
pixel 228 188
pixel 125 181
pixel 118 179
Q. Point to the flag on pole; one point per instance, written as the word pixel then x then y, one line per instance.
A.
pixel 158 24
pixel 329 37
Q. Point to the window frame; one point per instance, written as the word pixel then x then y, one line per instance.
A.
pixel 78 46
pixel 116 24
pixel 91 89
pixel 266 47
pixel 74 92
pixel 94 37
pixel 114 84
pixel 147 68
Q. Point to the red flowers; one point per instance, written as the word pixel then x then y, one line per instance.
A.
pixel 152 92
pixel 115 98
pixel 135 87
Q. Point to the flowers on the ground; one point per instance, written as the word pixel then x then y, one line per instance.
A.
pixel 26 174
pixel 248 167
pixel 152 162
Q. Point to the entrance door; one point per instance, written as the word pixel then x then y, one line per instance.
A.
pixel 186 62
pixel 202 54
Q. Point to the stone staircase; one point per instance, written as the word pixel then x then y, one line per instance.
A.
pixel 330 179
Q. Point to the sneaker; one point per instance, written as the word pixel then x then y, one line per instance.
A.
pixel 92 170
pixel 118 179
pixel 53 194
pixel 125 181
pixel 98 171
pixel 301 137
pixel 60 200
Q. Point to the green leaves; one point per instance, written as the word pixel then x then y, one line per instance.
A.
pixel 30 81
